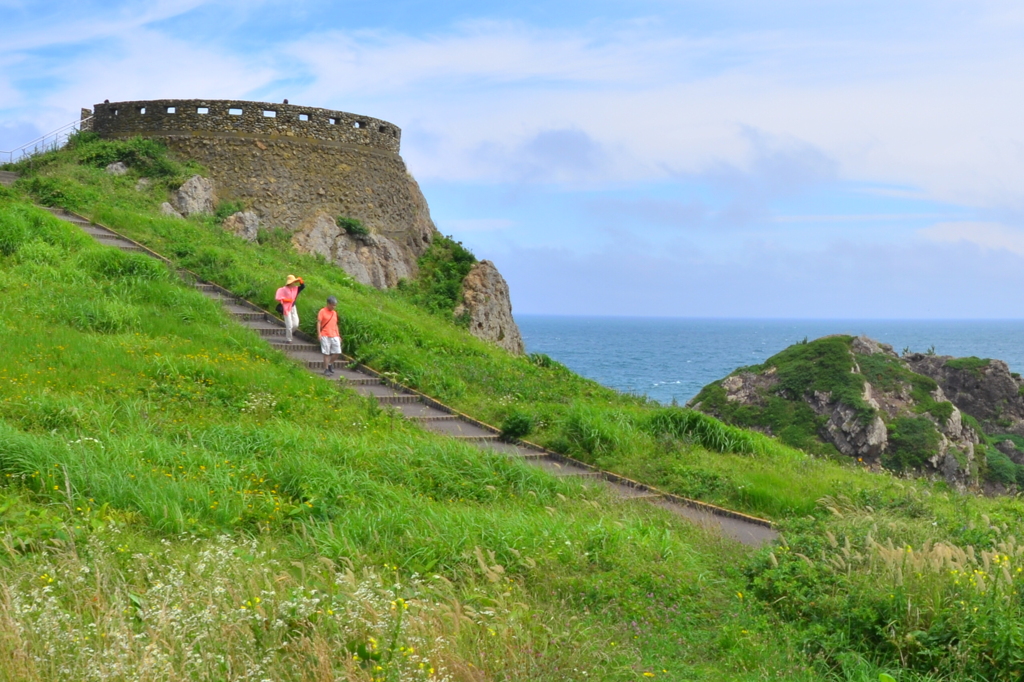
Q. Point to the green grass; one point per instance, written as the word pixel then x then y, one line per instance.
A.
pixel 971 364
pixel 157 420
pixel 158 459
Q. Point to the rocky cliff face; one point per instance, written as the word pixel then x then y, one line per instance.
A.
pixel 982 388
pixel 485 300
pixel 853 396
pixel 370 259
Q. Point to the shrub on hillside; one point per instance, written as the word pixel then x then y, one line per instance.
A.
pixel 147 157
pixel 912 440
pixel 225 209
pixel 352 226
pixel 516 425
pixel 1001 468
pixel 443 266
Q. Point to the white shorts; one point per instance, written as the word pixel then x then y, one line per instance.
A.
pixel 330 345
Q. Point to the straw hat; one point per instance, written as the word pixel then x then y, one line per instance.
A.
pixel 290 280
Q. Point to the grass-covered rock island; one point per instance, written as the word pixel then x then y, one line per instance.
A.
pixel 180 502
pixel 855 397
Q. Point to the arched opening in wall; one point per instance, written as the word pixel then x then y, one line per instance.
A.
pixel 303 117
pixel 383 129
pixel 202 110
pixel 114 111
pixel 269 114
pixel 141 110
pixel 172 110
pixel 359 124
pixel 235 112
pixel 332 121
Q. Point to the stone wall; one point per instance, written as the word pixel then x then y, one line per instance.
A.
pixel 222 117
pixel 286 169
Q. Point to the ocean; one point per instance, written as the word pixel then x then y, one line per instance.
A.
pixel 673 358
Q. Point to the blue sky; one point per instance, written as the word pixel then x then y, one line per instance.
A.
pixel 718 158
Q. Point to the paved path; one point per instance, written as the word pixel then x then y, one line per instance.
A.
pixel 439 418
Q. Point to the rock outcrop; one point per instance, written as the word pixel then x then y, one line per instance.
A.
pixel 985 389
pixel 486 302
pixel 117 168
pixel 370 259
pixel 853 396
pixel 244 224
pixel 168 210
pixel 196 195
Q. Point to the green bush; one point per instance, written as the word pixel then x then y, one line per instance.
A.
pixel 912 440
pixel 443 267
pixel 147 157
pixel 227 208
pixel 352 226
pixel 516 425
pixel 1001 468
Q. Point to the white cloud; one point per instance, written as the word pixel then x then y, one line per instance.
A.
pixel 986 235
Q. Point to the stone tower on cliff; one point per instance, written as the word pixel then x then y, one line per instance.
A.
pixel 301 167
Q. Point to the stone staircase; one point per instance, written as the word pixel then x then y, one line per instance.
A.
pixel 436 417
pixel 7 178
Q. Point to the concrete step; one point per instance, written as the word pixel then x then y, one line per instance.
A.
pixel 423 411
pixel 628 492
pixel 511 449
pixel 98 232
pixel 381 391
pixel 553 466
pixel 218 296
pixel 7 178
pixel 459 429
pixel 296 347
pixel 397 399
pixel 249 315
pixel 266 328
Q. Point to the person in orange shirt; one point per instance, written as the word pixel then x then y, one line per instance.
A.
pixel 327 332
pixel 286 296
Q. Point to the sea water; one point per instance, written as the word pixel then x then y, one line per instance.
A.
pixel 672 359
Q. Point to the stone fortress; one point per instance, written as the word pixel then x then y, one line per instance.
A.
pixel 300 168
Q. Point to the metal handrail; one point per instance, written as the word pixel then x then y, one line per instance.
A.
pixel 48 142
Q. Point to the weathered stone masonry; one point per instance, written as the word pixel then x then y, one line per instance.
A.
pixel 287 162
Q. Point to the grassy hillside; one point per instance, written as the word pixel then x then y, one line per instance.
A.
pixel 182 503
pixel 402 334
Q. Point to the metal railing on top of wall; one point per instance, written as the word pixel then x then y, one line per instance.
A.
pixel 48 142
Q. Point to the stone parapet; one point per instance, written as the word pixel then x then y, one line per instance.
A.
pixel 236 118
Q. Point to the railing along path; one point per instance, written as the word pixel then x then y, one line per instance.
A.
pixel 48 142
